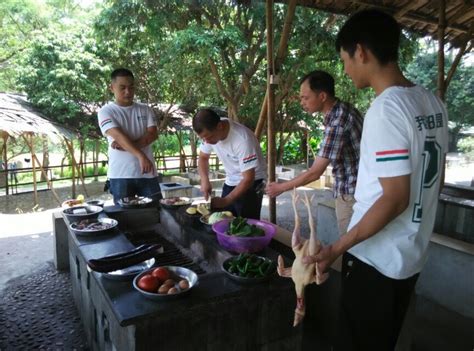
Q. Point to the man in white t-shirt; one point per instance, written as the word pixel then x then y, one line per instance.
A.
pixel 130 128
pixel 404 140
pixel 240 153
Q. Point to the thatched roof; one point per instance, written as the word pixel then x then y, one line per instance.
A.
pixel 17 116
pixel 419 16
pixel 175 116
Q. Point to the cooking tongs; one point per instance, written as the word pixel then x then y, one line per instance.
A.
pixel 125 259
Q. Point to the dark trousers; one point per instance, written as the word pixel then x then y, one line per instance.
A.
pixel 372 308
pixel 129 187
pixel 250 204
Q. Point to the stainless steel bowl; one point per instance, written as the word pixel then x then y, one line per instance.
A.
pixel 175 272
pixel 94 232
pixel 207 226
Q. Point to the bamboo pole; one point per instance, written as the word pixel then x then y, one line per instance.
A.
pixel 441 29
pixel 45 175
pixel 4 150
pixel 75 167
pixel 271 106
pixel 281 54
pixel 33 165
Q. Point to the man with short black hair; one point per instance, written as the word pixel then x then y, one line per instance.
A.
pixel 339 147
pixel 130 128
pixel 403 144
pixel 240 153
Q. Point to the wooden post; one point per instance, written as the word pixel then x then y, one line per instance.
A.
pixel 281 54
pixel 4 149
pixel 441 29
pixel 33 165
pixel 271 82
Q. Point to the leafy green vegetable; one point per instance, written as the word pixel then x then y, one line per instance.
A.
pixel 250 266
pixel 240 227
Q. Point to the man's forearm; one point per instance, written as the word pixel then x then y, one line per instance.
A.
pixel 125 143
pixel 203 169
pixel 145 140
pixel 302 179
pixel 240 190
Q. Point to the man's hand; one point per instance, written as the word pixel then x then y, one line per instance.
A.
pixel 274 189
pixel 146 166
pixel 220 202
pixel 206 189
pixel 324 258
pixel 116 146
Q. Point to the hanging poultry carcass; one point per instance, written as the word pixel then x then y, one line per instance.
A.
pixel 302 274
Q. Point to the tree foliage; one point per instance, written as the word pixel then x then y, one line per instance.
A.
pixel 193 53
pixel 459 98
pixel 65 78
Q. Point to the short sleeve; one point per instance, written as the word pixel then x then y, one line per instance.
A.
pixel 389 146
pixel 206 148
pixel 106 120
pixel 247 155
pixel 151 117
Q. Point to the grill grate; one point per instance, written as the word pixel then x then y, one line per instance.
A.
pixel 171 256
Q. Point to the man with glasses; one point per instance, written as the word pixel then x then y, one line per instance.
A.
pixel 340 146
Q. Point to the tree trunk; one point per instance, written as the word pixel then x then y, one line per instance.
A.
pixel 81 159
pixel 95 157
pixel 304 144
pixel 45 161
pixel 182 156
pixel 193 141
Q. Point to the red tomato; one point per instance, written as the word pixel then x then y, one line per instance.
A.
pixel 161 273
pixel 148 283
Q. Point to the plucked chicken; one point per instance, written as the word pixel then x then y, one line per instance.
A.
pixel 301 273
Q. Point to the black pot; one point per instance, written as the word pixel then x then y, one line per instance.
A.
pixel 75 214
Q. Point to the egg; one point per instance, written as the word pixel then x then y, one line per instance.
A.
pixel 169 282
pixel 173 290
pixel 183 284
pixel 164 289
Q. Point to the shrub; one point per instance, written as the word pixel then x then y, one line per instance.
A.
pixel 466 146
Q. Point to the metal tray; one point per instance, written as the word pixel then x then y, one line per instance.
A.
pixel 145 202
pixel 186 201
pixel 93 233
pixel 130 272
pixel 175 272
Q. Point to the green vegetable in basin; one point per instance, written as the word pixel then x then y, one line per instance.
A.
pixel 240 227
pixel 250 266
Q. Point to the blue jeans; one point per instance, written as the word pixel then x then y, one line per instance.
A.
pixel 127 187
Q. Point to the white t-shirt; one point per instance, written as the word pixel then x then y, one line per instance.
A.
pixel 239 152
pixel 133 121
pixel 405 132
